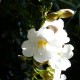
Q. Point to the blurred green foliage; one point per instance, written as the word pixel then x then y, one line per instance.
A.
pixel 16 18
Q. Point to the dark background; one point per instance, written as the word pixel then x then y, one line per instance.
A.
pixel 16 17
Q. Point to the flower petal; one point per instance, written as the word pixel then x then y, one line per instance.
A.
pixel 32 34
pixel 67 51
pixel 42 55
pixel 63 64
pixel 28 48
pixel 61 37
pixel 57 23
pixel 46 34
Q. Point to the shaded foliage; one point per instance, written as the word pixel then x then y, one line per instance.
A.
pixel 16 17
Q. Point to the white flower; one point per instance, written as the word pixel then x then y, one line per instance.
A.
pixel 60 35
pixel 60 60
pixel 58 24
pixel 38 45
pixel 45 43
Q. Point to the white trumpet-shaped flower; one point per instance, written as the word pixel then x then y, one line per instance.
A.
pixel 38 45
pixel 60 35
pixel 61 61
pixel 46 42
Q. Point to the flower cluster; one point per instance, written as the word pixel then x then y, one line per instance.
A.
pixel 49 43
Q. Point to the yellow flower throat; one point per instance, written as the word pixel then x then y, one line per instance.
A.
pixel 42 43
